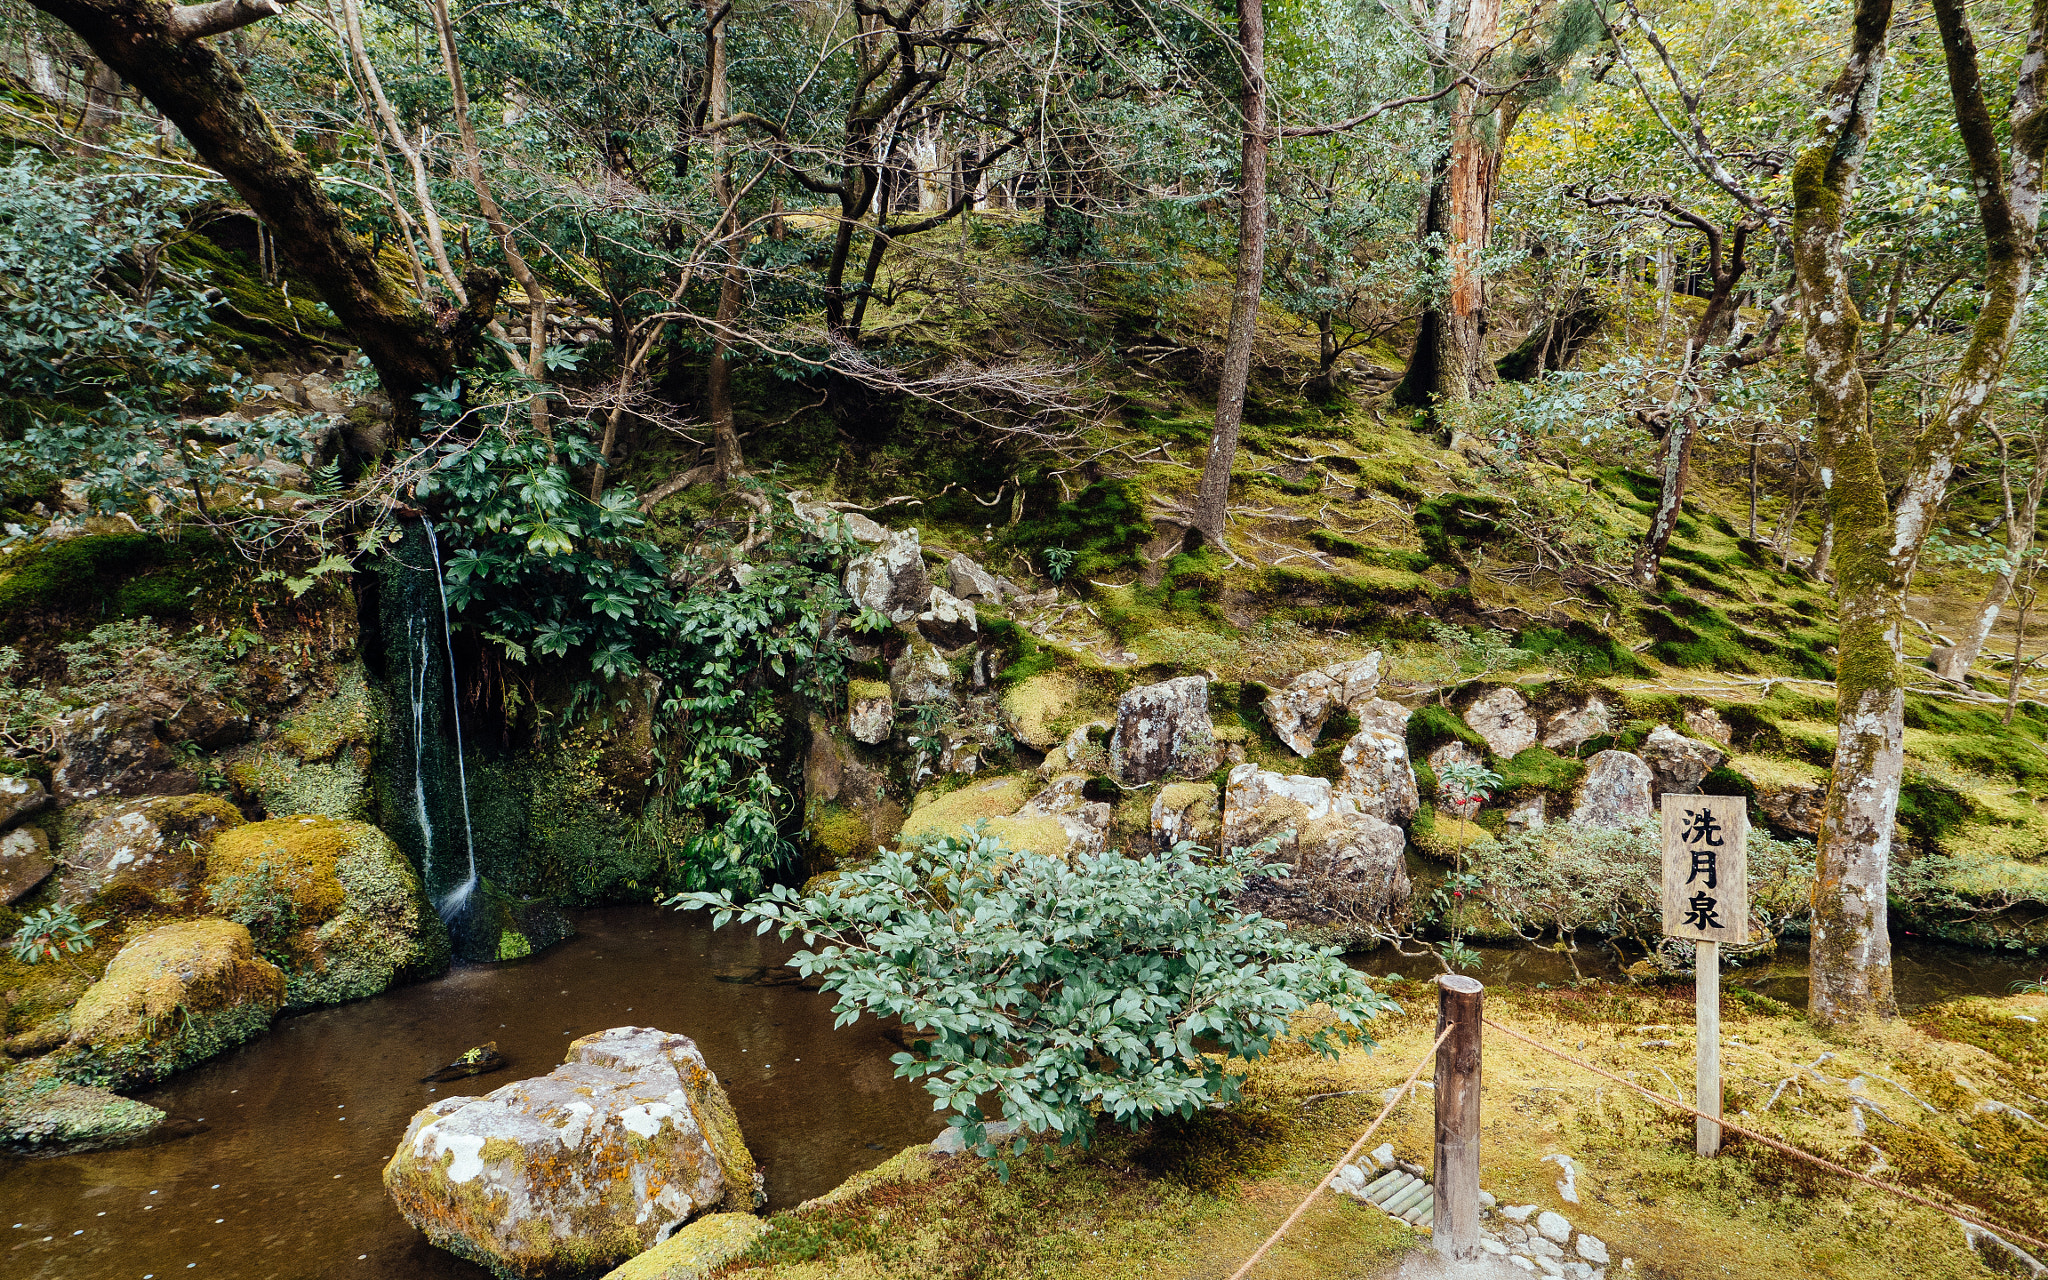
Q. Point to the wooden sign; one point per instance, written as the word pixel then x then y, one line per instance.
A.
pixel 1706 869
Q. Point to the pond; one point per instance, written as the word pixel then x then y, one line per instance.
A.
pixel 270 1166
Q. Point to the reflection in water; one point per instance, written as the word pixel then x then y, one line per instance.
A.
pixel 1922 972
pixel 276 1172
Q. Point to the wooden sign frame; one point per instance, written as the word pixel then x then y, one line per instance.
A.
pixel 1706 868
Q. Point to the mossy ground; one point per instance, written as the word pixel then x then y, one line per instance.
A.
pixel 1195 1198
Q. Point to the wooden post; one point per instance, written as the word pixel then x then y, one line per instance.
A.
pixel 1455 1218
pixel 1707 1013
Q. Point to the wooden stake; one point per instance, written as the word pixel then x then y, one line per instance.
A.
pixel 1455 1220
pixel 1707 985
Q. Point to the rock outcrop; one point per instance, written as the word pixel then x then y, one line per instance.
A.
pixel 870 711
pixel 920 675
pixel 1163 730
pixel 1708 724
pixel 1186 811
pixel 971 582
pixel 109 750
pixel 20 797
pixel 594 1163
pixel 1615 791
pixel 176 996
pixel 1679 763
pixel 1085 821
pixel 891 579
pixel 1377 770
pixel 1298 712
pixel 1569 729
pixel 1349 865
pixel 948 621
pixel 25 862
pixel 1455 753
pixel 1502 718
pixel 1794 808
pixel 848 807
pixel 158 845
pixel 359 919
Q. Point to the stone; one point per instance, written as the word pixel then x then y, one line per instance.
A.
pixel 1502 718
pixel 175 996
pixel 1680 763
pixel 207 721
pixel 1039 710
pixel 870 711
pixel 1455 752
pixel 1347 863
pixel 1522 1262
pixel 1549 1266
pixel 39 1109
pixel 969 581
pixel 20 797
pixel 1615 791
pixel 1708 724
pixel 1518 1212
pixel 108 750
pixel 1377 770
pixel 1540 1247
pixel 697 1250
pixel 849 811
pixel 1554 1227
pixel 1795 808
pixel 1298 712
pixel 320 393
pixel 921 675
pixel 1525 815
pixel 157 844
pixel 1186 811
pixel 1567 730
pixel 476 1061
pixel 948 621
pixel 361 921
pixel 25 862
pixel 955 812
pixel 950 1143
pixel 283 386
pixel 1085 821
pixel 1163 729
pixel 891 579
pixel 1592 1249
pixel 594 1163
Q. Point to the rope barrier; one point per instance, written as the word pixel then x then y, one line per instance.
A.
pixel 1346 1158
pixel 1773 1143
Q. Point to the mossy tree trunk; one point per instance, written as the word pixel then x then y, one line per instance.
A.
pixel 1876 546
pixel 151 47
pixel 1212 499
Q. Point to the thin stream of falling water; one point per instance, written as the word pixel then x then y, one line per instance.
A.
pixel 451 905
pixel 417 672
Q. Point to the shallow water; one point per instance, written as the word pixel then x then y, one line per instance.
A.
pixel 1922 971
pixel 273 1169
pixel 270 1167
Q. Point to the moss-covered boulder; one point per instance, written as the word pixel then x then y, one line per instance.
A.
pixel 279 782
pixel 1043 709
pixel 1189 811
pixel 158 844
pixel 491 925
pixel 579 1169
pixel 39 1108
pixel 849 813
pixel 954 812
pixel 697 1250
pixel 175 996
pixel 339 723
pixel 336 900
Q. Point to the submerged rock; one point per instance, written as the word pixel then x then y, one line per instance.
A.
pixel 346 905
pixel 582 1168
pixel 1163 729
pixel 38 1109
pixel 1615 793
pixel 157 844
pixel 481 1060
pixel 175 996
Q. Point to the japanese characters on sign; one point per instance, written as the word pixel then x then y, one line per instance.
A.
pixel 1706 872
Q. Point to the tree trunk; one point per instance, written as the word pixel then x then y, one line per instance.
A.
pixel 1876 547
pixel 1469 183
pixel 725 441
pixel 200 91
pixel 1212 500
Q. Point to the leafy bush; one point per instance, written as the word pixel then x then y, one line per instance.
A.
pixel 51 934
pixel 1105 985
pixel 120 661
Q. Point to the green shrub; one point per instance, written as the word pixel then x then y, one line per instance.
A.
pixel 1103 527
pixel 1064 990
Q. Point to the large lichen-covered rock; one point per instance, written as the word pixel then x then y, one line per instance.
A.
pixel 1795 808
pixel 1164 730
pixel 177 995
pixel 1298 712
pixel 108 750
pixel 39 1108
pixel 25 862
pixel 1377 770
pixel 870 711
pixel 891 579
pixel 1186 811
pixel 1679 763
pixel 157 844
pixel 969 581
pixel 1574 726
pixel 1349 865
pixel 921 675
pixel 345 905
pixel 20 797
pixel 695 1251
pixel 1615 792
pixel 1502 718
pixel 948 621
pixel 1085 821
pixel 583 1168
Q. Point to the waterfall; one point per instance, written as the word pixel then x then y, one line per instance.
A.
pixel 452 903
